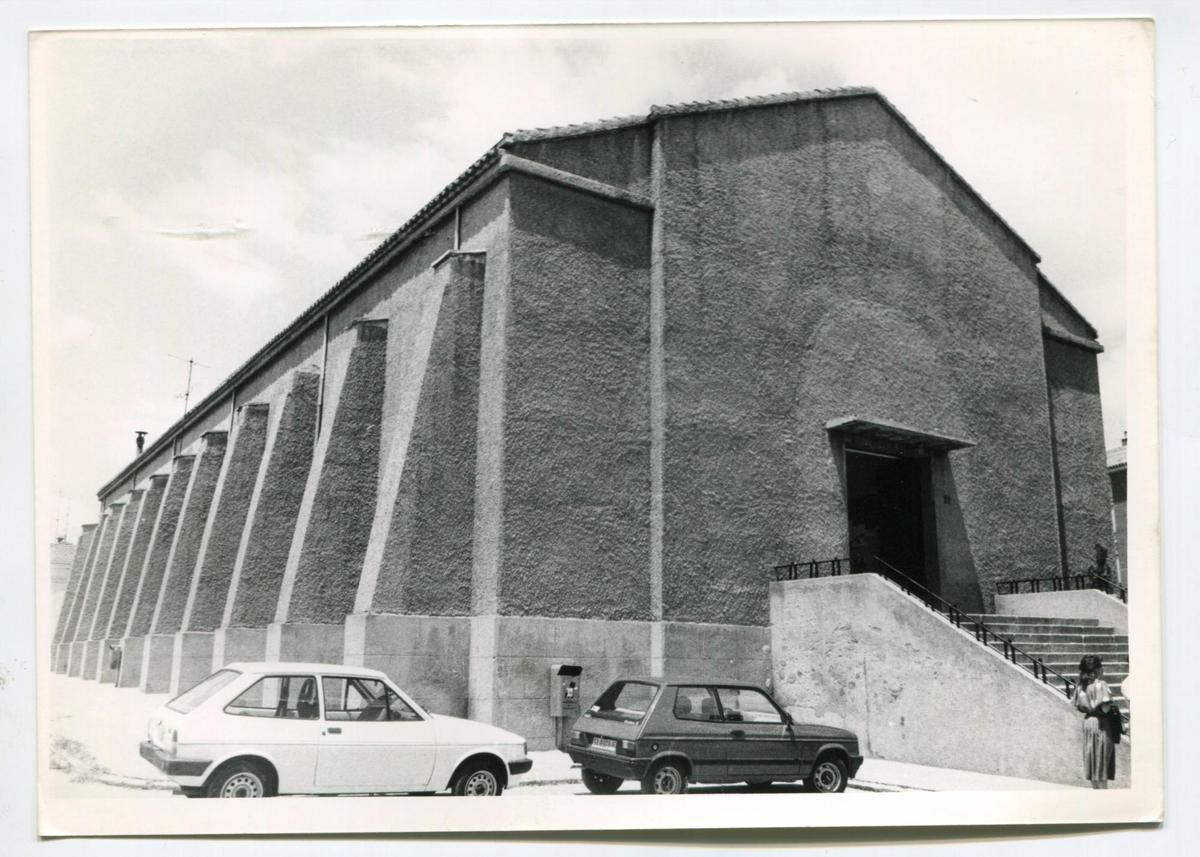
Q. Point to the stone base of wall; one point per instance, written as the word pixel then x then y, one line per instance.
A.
pixel 107 672
pixel 512 656
pixel 156 663
pixel 426 655
pixel 191 659
pixel 75 659
pixel 62 655
pixel 305 642
pixel 132 653
pixel 91 660
pixel 231 645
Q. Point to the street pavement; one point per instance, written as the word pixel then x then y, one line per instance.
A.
pixel 94 730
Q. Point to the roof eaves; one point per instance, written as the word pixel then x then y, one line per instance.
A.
pixel 306 318
pixel 1042 280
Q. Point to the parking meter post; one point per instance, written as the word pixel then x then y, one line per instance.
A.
pixel 566 686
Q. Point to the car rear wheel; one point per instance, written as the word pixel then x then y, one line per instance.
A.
pixel 828 776
pixel 600 784
pixel 477 780
pixel 240 779
pixel 665 778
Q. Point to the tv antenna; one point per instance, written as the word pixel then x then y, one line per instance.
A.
pixel 187 391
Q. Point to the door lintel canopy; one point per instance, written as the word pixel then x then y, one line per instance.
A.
pixel 873 433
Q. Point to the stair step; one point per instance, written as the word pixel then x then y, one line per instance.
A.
pixel 1044 628
pixel 1058 637
pixel 1079 649
pixel 990 618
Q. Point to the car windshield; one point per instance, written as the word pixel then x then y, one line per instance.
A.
pixel 625 700
pixel 197 694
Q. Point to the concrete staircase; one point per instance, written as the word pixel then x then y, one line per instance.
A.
pixel 1060 643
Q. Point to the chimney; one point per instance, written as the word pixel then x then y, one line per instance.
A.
pixel 140 441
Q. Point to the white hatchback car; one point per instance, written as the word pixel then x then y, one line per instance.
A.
pixel 263 729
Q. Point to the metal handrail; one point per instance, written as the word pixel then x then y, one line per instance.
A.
pixel 935 602
pixel 1090 579
pixel 982 632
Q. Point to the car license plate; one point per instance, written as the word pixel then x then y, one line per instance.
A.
pixel 606 744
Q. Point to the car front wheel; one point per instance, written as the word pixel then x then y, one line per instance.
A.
pixel 477 780
pixel 828 776
pixel 600 784
pixel 665 778
pixel 240 779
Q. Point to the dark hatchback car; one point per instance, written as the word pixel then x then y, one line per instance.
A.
pixel 667 733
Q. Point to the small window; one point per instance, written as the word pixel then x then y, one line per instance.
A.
pixel 291 697
pixel 625 700
pixel 363 699
pixel 696 703
pixel 746 705
pixel 195 696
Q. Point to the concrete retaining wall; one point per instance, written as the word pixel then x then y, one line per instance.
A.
pixel 1079 604
pixel 858 653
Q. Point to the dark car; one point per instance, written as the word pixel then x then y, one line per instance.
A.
pixel 666 733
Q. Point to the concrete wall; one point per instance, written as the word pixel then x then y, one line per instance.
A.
pixel 818 265
pixel 77 574
pixel 576 437
pixel 136 558
pixel 1074 391
pixel 1118 480
pixel 856 652
pixel 1077 604
pixel 227 521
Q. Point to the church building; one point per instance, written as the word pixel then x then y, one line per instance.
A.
pixel 582 403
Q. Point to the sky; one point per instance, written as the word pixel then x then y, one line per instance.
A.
pixel 194 192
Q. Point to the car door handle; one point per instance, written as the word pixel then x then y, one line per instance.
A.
pixel 738 733
pixel 334 730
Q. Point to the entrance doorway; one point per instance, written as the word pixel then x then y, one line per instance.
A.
pixel 887 501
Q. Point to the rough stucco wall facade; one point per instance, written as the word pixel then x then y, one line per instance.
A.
pixel 134 562
pixel 427 555
pixel 108 534
pixel 214 566
pixel 1074 389
pixel 160 545
pixel 177 581
pixel 255 594
pixel 116 569
pixel 85 581
pixel 814 269
pixel 576 463
pixel 339 524
pixel 78 564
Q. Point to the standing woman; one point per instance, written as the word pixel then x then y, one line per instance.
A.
pixel 1094 699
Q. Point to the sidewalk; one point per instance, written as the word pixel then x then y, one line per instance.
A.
pixel 95 730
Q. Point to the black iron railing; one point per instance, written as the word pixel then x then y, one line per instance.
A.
pixel 813 568
pixel 985 635
pixel 1090 579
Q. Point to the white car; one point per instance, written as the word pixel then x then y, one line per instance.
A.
pixel 263 729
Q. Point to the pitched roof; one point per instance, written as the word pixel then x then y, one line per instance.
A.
pixel 355 276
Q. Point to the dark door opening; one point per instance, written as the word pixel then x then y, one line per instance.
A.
pixel 887 509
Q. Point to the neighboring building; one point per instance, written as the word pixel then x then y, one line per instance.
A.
pixel 1118 473
pixel 584 400
pixel 62 554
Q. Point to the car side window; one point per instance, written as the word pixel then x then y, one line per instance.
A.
pixel 746 705
pixel 289 697
pixel 696 703
pixel 363 700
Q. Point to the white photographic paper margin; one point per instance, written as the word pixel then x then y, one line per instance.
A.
pixel 1141 803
